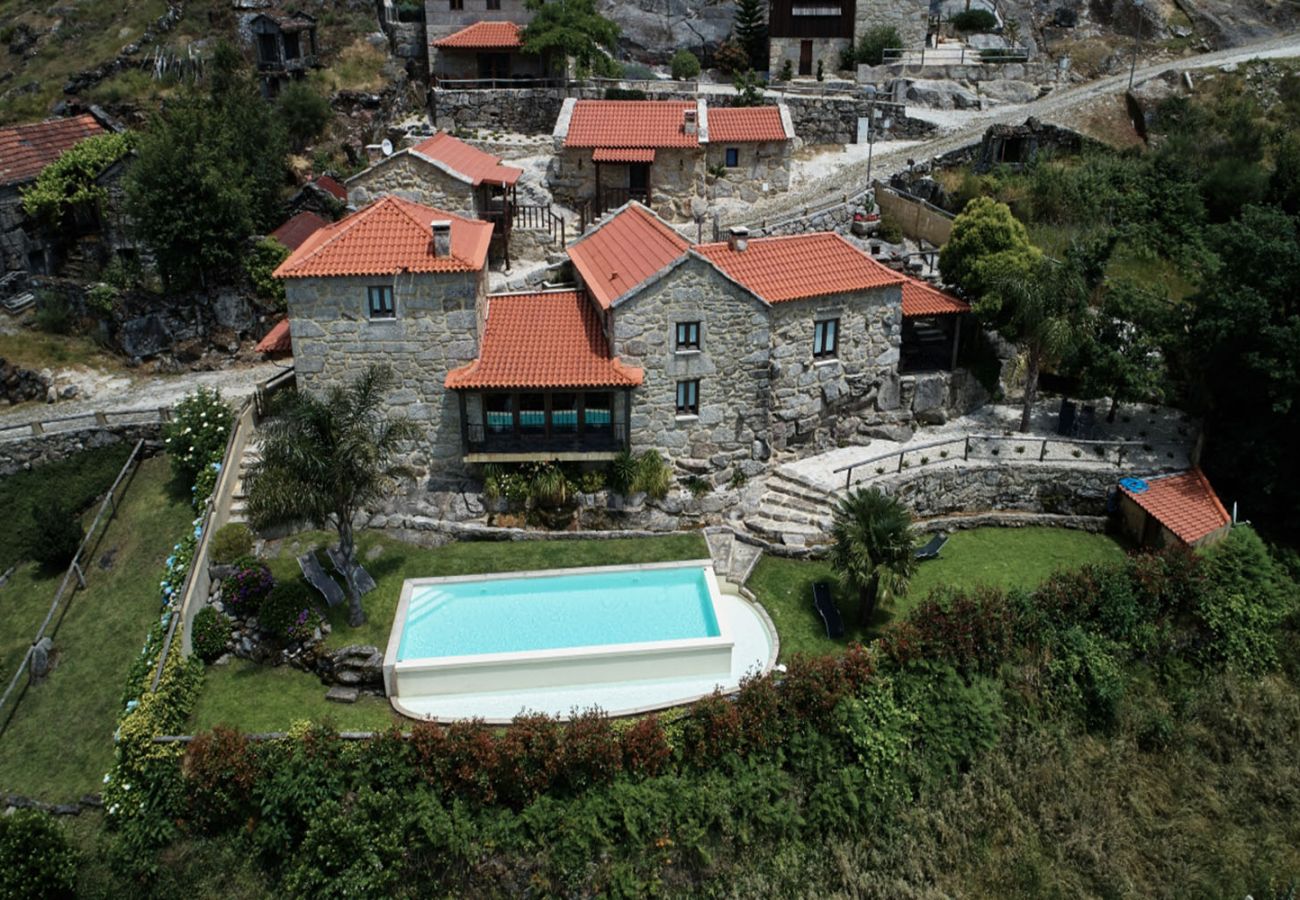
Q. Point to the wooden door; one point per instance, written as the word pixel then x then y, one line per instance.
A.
pixel 805 57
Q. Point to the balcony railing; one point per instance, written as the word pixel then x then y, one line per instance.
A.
pixel 611 439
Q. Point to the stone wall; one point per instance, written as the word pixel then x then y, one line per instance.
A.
pixel 823 403
pixel 436 329
pixel 412 178
pixel 14 243
pixel 524 110
pixel 676 177
pixel 30 452
pixel 907 16
pixel 760 168
pixel 826 50
pixel 731 366
pixel 1057 490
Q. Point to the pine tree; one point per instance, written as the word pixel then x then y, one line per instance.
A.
pixel 751 31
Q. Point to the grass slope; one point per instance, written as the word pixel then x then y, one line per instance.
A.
pixel 1001 557
pixel 60 740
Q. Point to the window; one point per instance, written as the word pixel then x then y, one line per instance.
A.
pixel 381 302
pixel 454 5
pixel 688 398
pixel 733 157
pixel 688 335
pixel 532 413
pixel 826 335
pixel 598 412
pixel 499 413
pixel 493 4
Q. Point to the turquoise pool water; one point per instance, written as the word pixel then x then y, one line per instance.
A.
pixel 508 615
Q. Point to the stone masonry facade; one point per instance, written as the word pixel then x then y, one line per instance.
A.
pixel 436 329
pixel 408 176
pixel 761 168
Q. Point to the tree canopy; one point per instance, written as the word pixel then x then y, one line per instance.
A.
pixel 70 181
pixel 571 28
pixel 751 31
pixel 987 241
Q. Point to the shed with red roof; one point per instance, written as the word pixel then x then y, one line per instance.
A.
pixel 1165 510
pixel 485 54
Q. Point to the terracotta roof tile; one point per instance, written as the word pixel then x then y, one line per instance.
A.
pixel 466 160
pixel 26 149
pixel 333 186
pixel 543 340
pixel 922 299
pixel 390 235
pixel 298 228
pixel 483 36
pixel 1184 503
pixel 630 123
pixel 746 124
pixel 276 340
pixel 624 252
pixel 623 155
pixel 805 265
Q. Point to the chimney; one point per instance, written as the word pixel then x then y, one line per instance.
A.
pixel 688 121
pixel 737 238
pixel 441 229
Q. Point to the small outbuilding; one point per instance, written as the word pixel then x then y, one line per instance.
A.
pixel 1165 510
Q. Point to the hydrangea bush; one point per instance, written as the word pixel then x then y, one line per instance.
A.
pixel 197 433
pixel 243 592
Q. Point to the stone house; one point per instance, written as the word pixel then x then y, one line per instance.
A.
pixel 284 46
pixel 485 52
pixel 666 154
pixel 395 283
pixel 445 17
pixel 25 150
pixel 1172 510
pixel 806 32
pixel 445 173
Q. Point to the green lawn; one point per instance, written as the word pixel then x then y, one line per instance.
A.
pixel 60 742
pixel 260 698
pixel 1002 557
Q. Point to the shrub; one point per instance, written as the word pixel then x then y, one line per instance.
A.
pixel 35 858
pixel 211 634
pixel 821 70
pixel 592 753
pixel 1249 595
pixel 813 686
pixel 975 21
pixel 204 484
pixel 787 70
pixel 623 472
pixel 548 487
pixel 615 93
pixel 685 64
pixel 712 731
pixel 244 591
pixel 53 315
pixel 232 541
pixel 874 42
pixel 730 58
pixel 591 482
pixel 197 433
pixel 469 758
pixel 653 475
pixel 304 112
pixel 259 263
pixel 54 535
pixel 646 750
pixel 219 771
pixel 698 485
pixel 973 632
pixel 287 612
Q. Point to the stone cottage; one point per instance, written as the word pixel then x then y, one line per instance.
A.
pixel 665 153
pixel 395 283
pixel 283 44
pixel 807 32
pixel 446 17
pixel 445 173
pixel 491 54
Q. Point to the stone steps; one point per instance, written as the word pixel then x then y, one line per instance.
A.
pixel 792 534
pixel 721 544
pixel 239 494
pixel 744 557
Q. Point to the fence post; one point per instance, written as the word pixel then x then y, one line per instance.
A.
pixel 101 418
pixel 900 460
pixel 965 449
pixel 848 478
pixel 1042 454
pixel 38 428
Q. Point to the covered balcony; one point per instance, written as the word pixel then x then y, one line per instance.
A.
pixel 519 426
pixel 931 328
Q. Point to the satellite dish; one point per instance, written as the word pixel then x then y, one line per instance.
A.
pixel 386 147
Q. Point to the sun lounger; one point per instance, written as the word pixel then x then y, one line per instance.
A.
pixel 365 584
pixel 827 609
pixel 932 547
pixel 316 577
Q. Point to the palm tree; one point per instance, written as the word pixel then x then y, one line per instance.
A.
pixel 325 458
pixel 872 548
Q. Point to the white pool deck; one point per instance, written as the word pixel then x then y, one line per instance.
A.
pixel 755 650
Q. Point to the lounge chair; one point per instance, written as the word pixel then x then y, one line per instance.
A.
pixel 365 584
pixel 827 609
pixel 932 547
pixel 316 577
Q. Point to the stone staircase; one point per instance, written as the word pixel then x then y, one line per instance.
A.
pixel 792 511
pixel 733 557
pixel 239 497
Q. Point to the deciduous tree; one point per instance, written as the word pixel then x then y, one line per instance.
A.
pixel 571 28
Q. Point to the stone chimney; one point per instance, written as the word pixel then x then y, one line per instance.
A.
pixel 441 229
pixel 689 124
pixel 737 238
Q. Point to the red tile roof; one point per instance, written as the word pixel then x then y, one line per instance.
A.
pixel 276 340
pixel 465 160
pixel 26 149
pixel 742 124
pixel 390 235
pixel 1184 503
pixel 483 36
pixel 623 154
pixel 805 265
pixel 630 123
pixel 624 252
pixel 331 185
pixel 298 228
pixel 922 299
pixel 543 340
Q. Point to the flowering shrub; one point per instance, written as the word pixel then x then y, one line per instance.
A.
pixel 287 612
pixel 204 484
pixel 210 634
pixel 196 436
pixel 244 591
pixel 35 859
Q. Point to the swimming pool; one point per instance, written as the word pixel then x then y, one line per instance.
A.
pixel 559 628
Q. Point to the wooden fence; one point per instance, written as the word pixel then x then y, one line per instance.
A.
pixel 78 421
pixel 919 220
pixel 73 578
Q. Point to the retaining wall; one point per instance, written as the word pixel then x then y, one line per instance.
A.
pixel 29 452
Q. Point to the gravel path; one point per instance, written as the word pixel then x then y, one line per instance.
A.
pixel 962 129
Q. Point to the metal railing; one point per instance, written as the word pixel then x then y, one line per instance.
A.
pixel 954 56
pixel 99 419
pixel 896 461
pixel 492 84
pixel 75 570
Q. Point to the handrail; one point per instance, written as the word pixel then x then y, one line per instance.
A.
pixel 965 439
pixel 955 56
pixel 74 568
pixel 100 418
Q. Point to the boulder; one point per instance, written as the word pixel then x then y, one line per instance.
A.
pixel 339 694
pixel 1006 90
pixel 40 663
pixel 941 95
